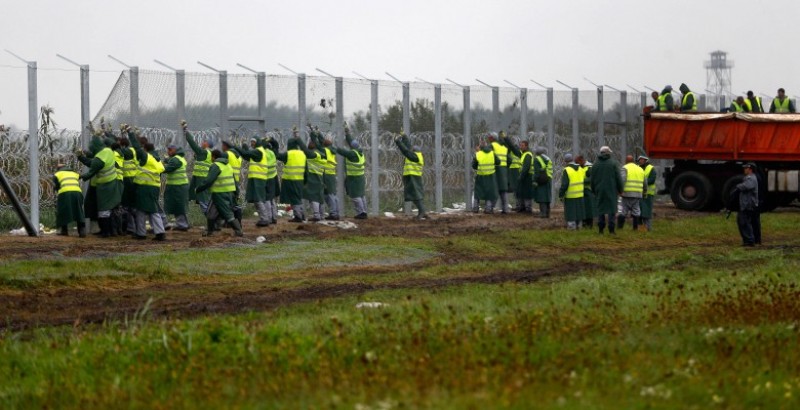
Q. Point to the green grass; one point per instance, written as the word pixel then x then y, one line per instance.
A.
pixel 678 318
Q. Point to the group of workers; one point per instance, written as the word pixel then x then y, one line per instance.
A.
pixel 125 181
pixel 664 102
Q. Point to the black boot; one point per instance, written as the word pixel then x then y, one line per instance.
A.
pixel 210 227
pixel 64 231
pixel 81 230
pixel 620 221
pixel 237 227
pixel 105 228
pixel 636 223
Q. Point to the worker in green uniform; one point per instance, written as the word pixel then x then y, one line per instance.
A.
pixel 514 167
pixel 646 203
pixel 222 186
pixel 501 173
pixel 329 177
pixel 314 188
pixel 235 162
pixel 688 99
pixel 293 178
pixel 571 193
pixel 129 171
pixel 781 104
pixel 738 105
pixel 632 193
pixel 665 101
pixel 543 181
pixel 69 202
pixel 256 193
pixel 176 194
pixel 485 165
pixel 589 203
pixel 103 175
pixel 412 173
pixel 202 162
pixel 607 187
pixel 148 188
pixel 272 146
pixel 354 181
pixel 525 184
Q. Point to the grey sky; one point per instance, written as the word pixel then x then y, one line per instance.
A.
pixel 613 42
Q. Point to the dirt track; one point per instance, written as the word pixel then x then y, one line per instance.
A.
pixel 67 305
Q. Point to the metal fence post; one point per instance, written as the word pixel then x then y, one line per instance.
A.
pixel 374 147
pixel 223 105
pixel 496 109
pixel 601 121
pixel 85 113
pixel 180 106
pixel 467 148
pixel 551 123
pixel 339 125
pixel 701 102
pixel 134 95
pixel 643 96
pixel 33 143
pixel 721 102
pixel 261 84
pixel 523 114
pixel 623 103
pixel 437 127
pixel 301 101
pixel 406 109
pixel 576 143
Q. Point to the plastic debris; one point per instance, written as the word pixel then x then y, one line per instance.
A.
pixel 261 239
pixel 371 305
pixel 388 214
pixel 339 224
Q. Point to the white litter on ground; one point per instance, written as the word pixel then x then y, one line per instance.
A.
pixel 457 207
pixel 261 239
pixel 23 232
pixel 388 214
pixel 371 305
pixel 339 224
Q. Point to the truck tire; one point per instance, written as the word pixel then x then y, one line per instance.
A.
pixel 692 191
pixel 728 187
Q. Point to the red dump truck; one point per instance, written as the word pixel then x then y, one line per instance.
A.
pixel 708 150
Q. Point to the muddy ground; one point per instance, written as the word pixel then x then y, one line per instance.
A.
pixel 60 305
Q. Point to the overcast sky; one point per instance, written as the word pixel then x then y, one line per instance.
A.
pixel 613 42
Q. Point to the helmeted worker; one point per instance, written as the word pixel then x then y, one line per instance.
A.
pixel 543 181
pixel 571 192
pixel 148 189
pixel 633 189
pixel 501 171
pixel 257 176
pixel 412 174
pixel 69 202
pixel 355 181
pixel 753 103
pixel 314 189
pixel 738 105
pixel 665 102
pixel 606 186
pixel 107 194
pixel 589 203
pixel 781 104
pixel 688 99
pixel 648 197
pixel 485 164
pixel 176 194
pixel 223 187
pixel 202 162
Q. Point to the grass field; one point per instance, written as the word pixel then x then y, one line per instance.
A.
pixel 500 313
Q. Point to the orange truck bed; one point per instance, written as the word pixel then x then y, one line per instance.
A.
pixel 723 137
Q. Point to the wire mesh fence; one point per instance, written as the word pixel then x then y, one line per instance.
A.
pixel 236 107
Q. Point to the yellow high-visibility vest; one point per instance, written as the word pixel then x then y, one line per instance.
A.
pixel 150 173
pixel 109 171
pixel 68 181
pixel 201 167
pixel 516 162
pixel 225 181
pixel 634 181
pixel 272 164
pixel 485 163
pixel 316 165
pixel 355 169
pixel 522 161
pixel 130 166
pixel 411 168
pixel 501 152
pixel 662 102
pixel 235 162
pixel 575 188
pixel 546 164
pixel 258 169
pixel 330 162
pixel 178 176
pixel 781 106
pixel 295 167
pixel 119 162
pixel 694 100
pixel 651 188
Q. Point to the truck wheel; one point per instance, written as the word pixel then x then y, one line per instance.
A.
pixel 692 191
pixel 728 187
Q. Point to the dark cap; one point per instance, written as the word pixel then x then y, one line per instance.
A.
pixel 749 93
pixel 749 165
